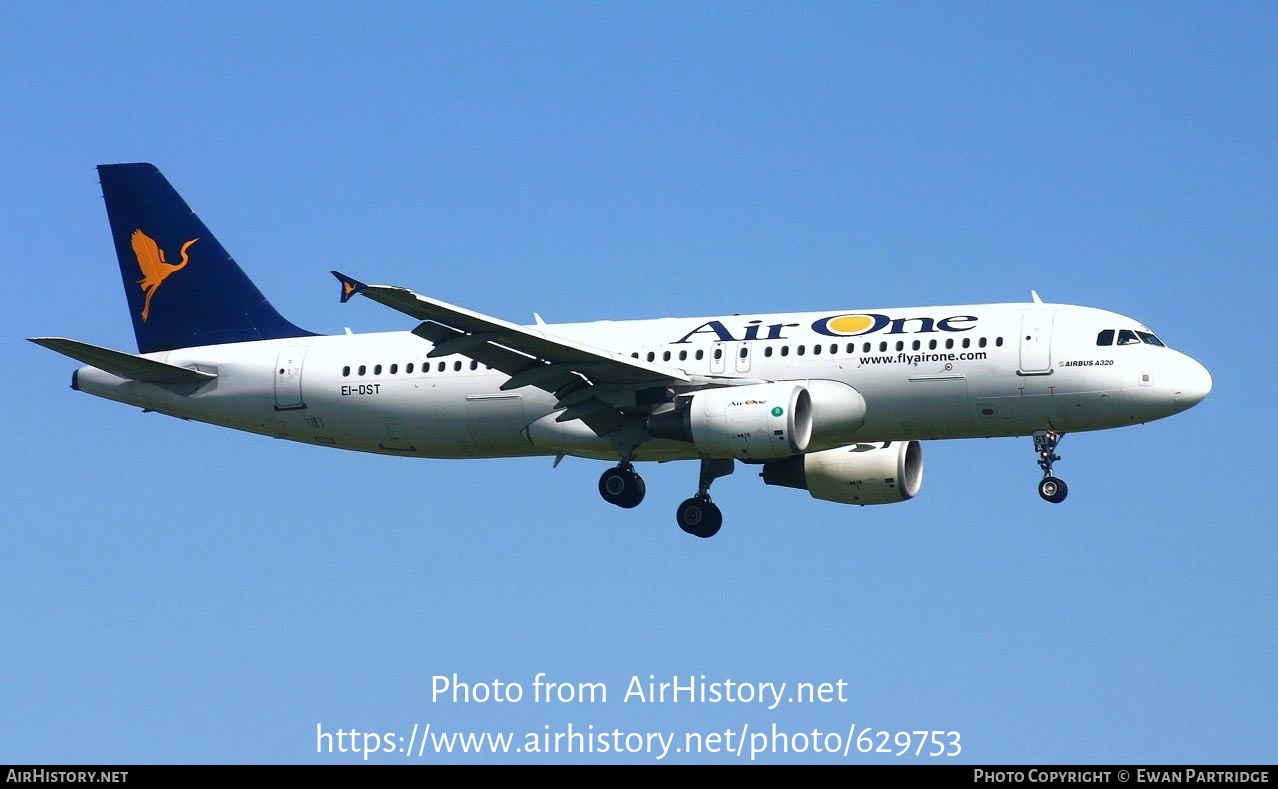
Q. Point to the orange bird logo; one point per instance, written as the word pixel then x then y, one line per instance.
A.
pixel 155 269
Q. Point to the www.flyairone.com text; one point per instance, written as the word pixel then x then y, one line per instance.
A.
pixel 745 740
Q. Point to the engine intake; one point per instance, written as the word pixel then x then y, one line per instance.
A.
pixel 838 413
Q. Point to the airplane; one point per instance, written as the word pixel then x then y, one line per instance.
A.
pixel 833 402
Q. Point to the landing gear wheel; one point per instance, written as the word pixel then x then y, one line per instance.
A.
pixel 1053 489
pixel 622 486
pixel 699 517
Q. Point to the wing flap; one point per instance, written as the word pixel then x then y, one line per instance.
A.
pixel 123 365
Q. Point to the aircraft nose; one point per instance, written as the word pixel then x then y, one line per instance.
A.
pixel 1193 383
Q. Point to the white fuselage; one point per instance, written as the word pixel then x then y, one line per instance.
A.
pixel 925 373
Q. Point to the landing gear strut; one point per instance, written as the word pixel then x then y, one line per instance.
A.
pixel 699 516
pixel 622 486
pixel 1050 487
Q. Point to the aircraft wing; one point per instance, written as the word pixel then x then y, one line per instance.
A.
pixel 529 356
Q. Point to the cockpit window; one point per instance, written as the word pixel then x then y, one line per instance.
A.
pixel 1128 337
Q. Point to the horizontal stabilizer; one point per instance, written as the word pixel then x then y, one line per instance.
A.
pixel 123 365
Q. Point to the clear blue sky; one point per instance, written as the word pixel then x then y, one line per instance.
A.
pixel 181 593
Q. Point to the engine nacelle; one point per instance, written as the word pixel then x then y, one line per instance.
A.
pixel 857 474
pixel 754 422
pixel 838 412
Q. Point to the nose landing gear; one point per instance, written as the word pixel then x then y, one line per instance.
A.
pixel 1051 488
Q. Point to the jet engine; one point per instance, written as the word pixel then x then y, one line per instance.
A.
pixel 755 422
pixel 857 474
pixel 838 412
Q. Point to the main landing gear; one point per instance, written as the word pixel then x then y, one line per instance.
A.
pixel 699 516
pixel 622 486
pixel 1051 488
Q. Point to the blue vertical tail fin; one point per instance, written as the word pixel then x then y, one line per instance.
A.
pixel 183 288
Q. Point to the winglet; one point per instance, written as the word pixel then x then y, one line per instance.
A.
pixel 350 285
